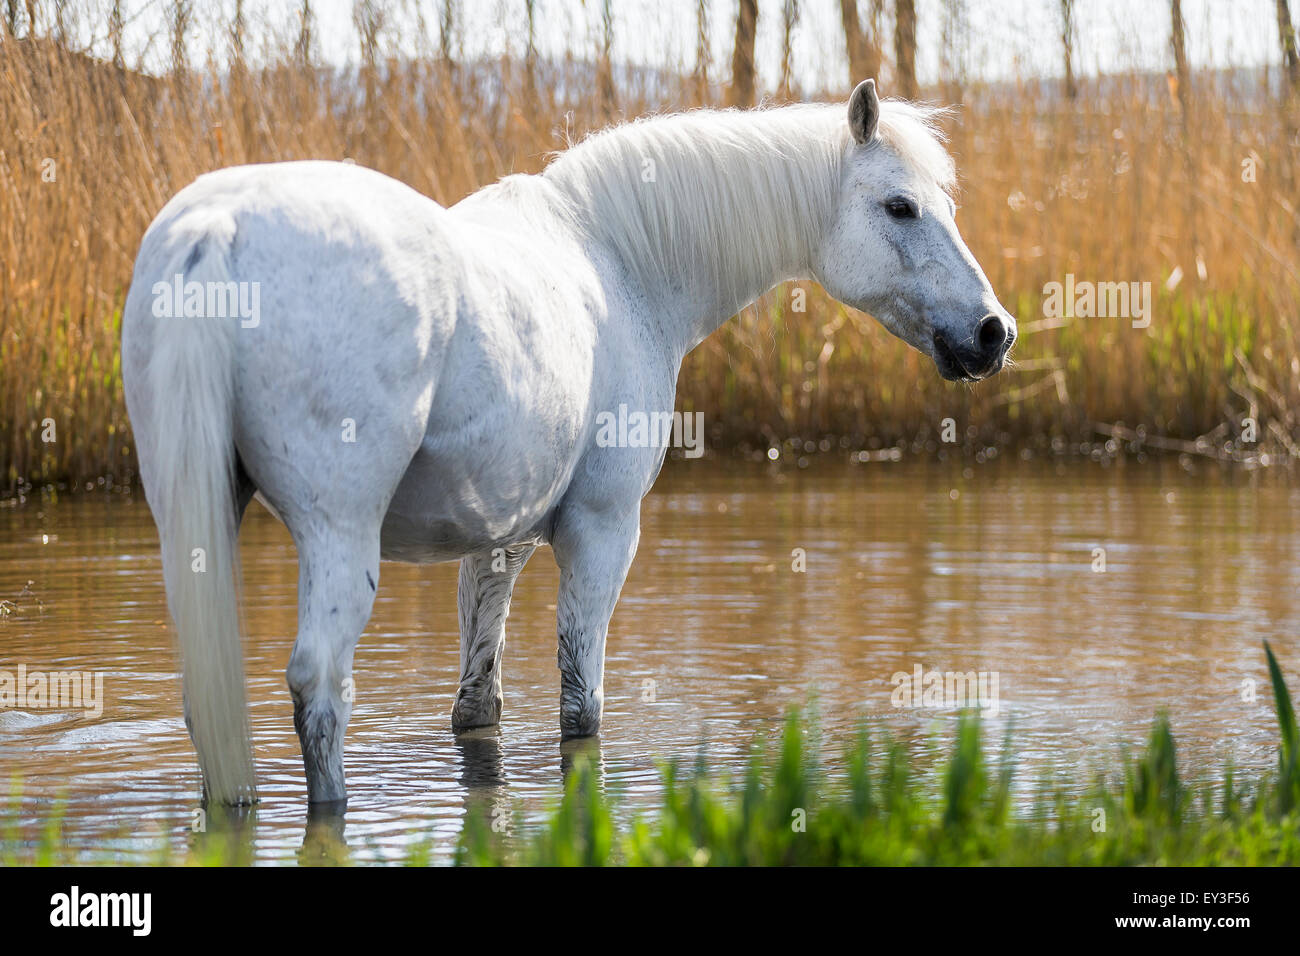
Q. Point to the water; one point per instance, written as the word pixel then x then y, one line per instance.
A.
pixel 981 568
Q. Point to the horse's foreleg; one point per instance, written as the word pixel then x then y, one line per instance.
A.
pixel 486 582
pixel 338 574
pixel 594 549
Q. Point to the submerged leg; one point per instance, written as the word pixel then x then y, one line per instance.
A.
pixel 594 549
pixel 487 581
pixel 338 574
pixel 332 490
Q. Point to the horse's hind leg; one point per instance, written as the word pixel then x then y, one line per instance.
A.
pixel 486 582
pixel 335 523
pixel 338 573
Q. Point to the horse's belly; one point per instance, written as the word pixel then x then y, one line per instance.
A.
pixel 428 540
pixel 450 504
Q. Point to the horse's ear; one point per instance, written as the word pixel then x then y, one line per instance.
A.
pixel 864 111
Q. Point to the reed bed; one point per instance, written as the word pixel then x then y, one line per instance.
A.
pixel 1127 182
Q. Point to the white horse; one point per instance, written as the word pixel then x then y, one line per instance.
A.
pixel 396 380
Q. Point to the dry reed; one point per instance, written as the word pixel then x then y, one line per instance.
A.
pixel 1117 184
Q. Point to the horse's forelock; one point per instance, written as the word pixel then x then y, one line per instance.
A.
pixel 913 132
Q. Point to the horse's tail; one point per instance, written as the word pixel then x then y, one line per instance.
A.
pixel 190 483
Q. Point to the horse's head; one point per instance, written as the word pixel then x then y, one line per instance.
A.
pixel 892 248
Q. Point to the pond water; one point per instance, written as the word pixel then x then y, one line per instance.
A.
pixel 994 568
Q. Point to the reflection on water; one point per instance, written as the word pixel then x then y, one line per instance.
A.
pixel 983 568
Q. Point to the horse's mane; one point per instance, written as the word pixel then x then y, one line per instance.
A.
pixel 671 195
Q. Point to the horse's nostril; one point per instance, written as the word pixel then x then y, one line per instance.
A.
pixel 992 333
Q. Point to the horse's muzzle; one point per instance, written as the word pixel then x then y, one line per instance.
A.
pixel 982 356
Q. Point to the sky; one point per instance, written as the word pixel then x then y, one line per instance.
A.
pixel 1008 38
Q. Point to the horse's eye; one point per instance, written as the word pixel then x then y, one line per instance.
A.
pixel 902 209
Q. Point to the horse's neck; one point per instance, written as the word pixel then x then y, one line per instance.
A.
pixel 706 211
